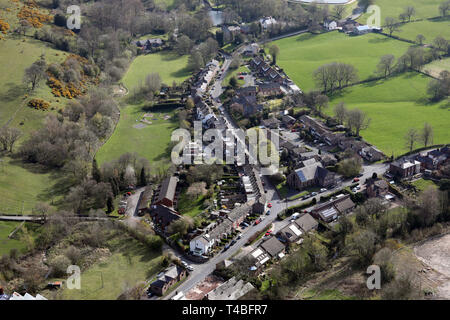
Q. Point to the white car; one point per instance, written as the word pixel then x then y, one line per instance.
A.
pixel 184 263
pixel 323 190
pixel 190 268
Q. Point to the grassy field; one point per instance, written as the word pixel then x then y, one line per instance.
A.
pixel 422 184
pixel 129 264
pixel 170 67
pixel 17 242
pixel 23 185
pixel 395 105
pixel 20 184
pixel 392 8
pixel 435 67
pixel 301 55
pixel 429 29
pixel 150 142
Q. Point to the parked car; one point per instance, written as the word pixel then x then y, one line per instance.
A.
pixel 233 242
pixel 268 233
pixel 190 268
pixel 313 194
pixel 239 237
pixel 269 205
pixel 184 263
pixel 355 180
pixel 226 247
pixel 323 190
pixel 268 213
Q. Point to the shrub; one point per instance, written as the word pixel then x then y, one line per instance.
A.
pixel 39 104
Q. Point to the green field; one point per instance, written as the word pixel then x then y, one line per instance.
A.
pixel 22 185
pixel 435 67
pixel 108 279
pixel 150 142
pixel 429 29
pixel 153 140
pixel 301 55
pixel 395 105
pixel 17 242
pixel 392 8
pixel 423 184
pixel 170 67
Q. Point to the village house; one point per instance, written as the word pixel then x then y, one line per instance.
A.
pixel 202 244
pixel 267 22
pixel 274 247
pixel 376 187
pixel 330 210
pixel 307 223
pixel 288 120
pixel 319 131
pixel 291 233
pixel 251 50
pixel 271 89
pixel 144 200
pixel 229 33
pixel 371 154
pixel 232 289
pixel 312 174
pixel 330 25
pixel 149 44
pixel 432 160
pixel 404 168
pixel 271 123
pixel 163 216
pixel 166 194
pixel 167 279
pixel 246 105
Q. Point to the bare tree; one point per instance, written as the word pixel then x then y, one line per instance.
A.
pixel 420 39
pixel 391 25
pixel 339 12
pixel 386 64
pixel 340 112
pixel 35 73
pixel 411 137
pixel 410 12
pixel 274 51
pixel 427 134
pixel 8 137
pixel 357 120
pixel 444 7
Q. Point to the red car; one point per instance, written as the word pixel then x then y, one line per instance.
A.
pixel 241 77
pixel 257 221
pixel 269 205
pixel 268 233
pixel 356 180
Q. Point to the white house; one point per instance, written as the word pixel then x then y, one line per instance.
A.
pixel 267 22
pixel 330 25
pixel 201 245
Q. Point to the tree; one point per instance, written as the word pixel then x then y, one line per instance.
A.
pixel 420 39
pixel 444 7
pixel 363 244
pixel 184 45
pixel 274 51
pixel 391 25
pixel 440 88
pixel 386 64
pixel 427 134
pixel 350 167
pixel 181 226
pixel 357 120
pixel 109 205
pixel 35 73
pixel 8 137
pixel 340 112
pixel 441 44
pixel 339 12
pixel 409 12
pixel 321 102
pixel 411 137
pixel 96 174
pixel 143 177
pixel 233 82
pixel 196 61
pixel 153 82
